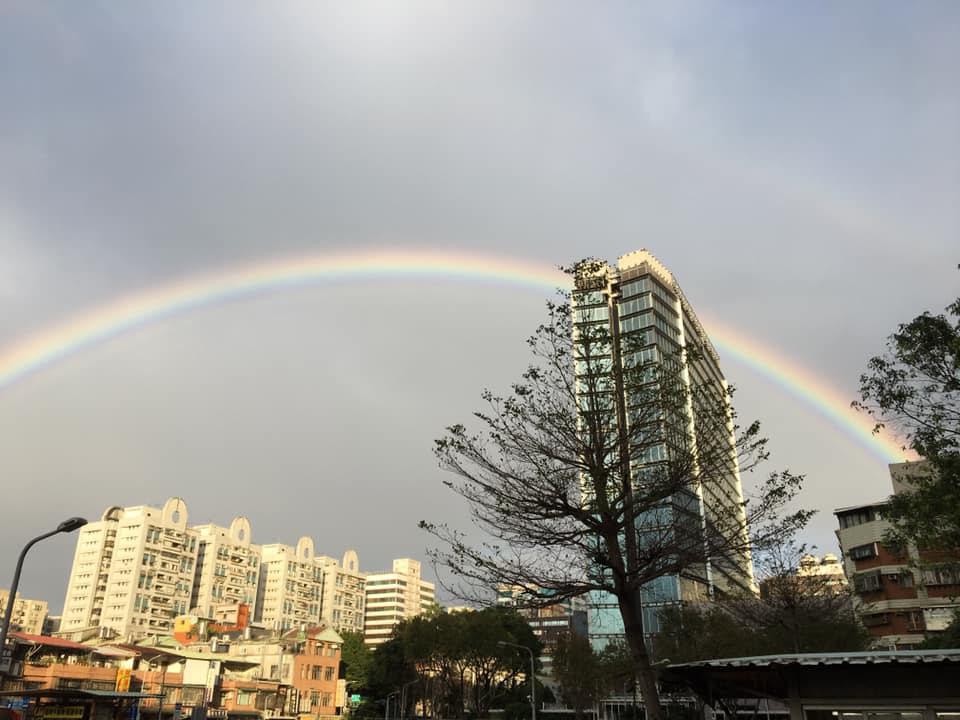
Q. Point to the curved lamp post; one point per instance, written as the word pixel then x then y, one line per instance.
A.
pixel 403 698
pixel 66 526
pixel 533 676
pixel 386 709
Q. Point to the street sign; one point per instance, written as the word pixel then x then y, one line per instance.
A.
pixel 355 698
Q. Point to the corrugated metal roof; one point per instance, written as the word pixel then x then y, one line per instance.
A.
pixel 838 658
pixel 48 641
pixel 114 652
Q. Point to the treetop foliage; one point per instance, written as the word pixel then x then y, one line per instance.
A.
pixel 453 662
pixel 914 388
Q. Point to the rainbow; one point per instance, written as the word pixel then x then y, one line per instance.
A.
pixel 53 345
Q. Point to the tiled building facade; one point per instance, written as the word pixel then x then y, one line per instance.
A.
pixel 901 596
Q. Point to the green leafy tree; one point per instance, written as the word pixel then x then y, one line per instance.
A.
pixel 795 613
pixel 578 671
pixel 914 389
pixel 453 661
pixel 585 675
pixel 704 632
pixel 390 670
pixel 357 659
pixel 549 478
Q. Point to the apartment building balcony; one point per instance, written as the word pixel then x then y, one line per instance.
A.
pixel 55 675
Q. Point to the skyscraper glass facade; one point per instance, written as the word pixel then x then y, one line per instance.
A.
pixel 640 319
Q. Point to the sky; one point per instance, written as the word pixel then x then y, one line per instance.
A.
pixel 797 166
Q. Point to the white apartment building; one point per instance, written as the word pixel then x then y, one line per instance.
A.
pixel 393 597
pixel 290 586
pixel 132 572
pixel 228 567
pixel 27 616
pixel 342 603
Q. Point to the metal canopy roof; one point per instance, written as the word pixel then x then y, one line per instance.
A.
pixel 837 658
pixel 76 693
pixel 908 677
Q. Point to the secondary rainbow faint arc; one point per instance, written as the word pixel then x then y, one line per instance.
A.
pixel 52 345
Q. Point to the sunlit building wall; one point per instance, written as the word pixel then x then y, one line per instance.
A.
pixel 132 572
pixel 290 586
pixel 27 615
pixel 393 597
pixel 228 567
pixel 342 603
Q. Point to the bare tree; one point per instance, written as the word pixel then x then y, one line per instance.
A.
pixel 602 471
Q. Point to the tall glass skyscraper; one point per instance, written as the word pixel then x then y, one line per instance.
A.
pixel 647 325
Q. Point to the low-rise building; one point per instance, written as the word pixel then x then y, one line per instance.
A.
pixel 316 671
pixel 901 595
pixel 253 676
pixel 41 662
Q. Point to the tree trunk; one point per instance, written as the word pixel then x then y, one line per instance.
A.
pixel 630 610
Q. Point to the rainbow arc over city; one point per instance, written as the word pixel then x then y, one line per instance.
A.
pixel 30 355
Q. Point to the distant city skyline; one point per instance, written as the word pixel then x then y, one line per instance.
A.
pixel 136 569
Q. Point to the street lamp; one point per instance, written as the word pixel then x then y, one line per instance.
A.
pixel 533 677
pixel 386 709
pixel 403 698
pixel 66 526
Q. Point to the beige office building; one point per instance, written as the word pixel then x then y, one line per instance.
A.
pixel 291 586
pixel 342 603
pixel 228 567
pixel 132 572
pixel 392 597
pixel 27 616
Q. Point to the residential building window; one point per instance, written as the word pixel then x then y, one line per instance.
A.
pixel 940 576
pixel 857 517
pixel 863 552
pixel 875 619
pixel 328 673
pixel 868 582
